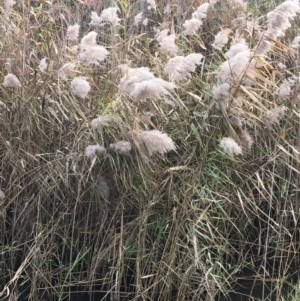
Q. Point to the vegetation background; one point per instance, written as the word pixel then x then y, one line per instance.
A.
pixel 147 221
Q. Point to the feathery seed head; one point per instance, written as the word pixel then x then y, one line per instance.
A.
pixel 11 81
pixel 43 65
pixel 92 55
pixel 274 116
pixel 80 86
pixel 230 147
pixel 192 26
pixel 89 39
pixel 73 32
pixel 94 150
pixel 100 122
pixel 121 147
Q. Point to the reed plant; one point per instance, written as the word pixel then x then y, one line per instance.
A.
pixel 149 150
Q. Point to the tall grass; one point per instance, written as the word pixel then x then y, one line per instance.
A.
pixel 177 212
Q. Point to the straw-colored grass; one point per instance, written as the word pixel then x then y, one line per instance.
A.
pixel 145 220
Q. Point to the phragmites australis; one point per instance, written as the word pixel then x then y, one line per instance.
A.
pixel 94 150
pixel 236 49
pixel 285 88
pixel 230 147
pixel 9 3
pixel 11 81
pixel 274 116
pixel 201 12
pixel 149 142
pixel 141 84
pixel 234 69
pixel 191 26
pixel 166 42
pixel 80 86
pixel 221 93
pixel 278 23
pixel 121 147
pixel 108 15
pixel 138 18
pixel 296 43
pixel 156 141
pixel 245 139
pixel 73 32
pixel 89 39
pixel 221 39
pixel 100 122
pixel 92 55
pixel 180 68
pixel 43 65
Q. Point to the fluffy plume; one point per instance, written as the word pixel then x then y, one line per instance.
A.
pixel 156 141
pixel 192 26
pixel 94 150
pixel 108 15
pixel 235 49
pixel 141 84
pixel 102 187
pixel 2 195
pixel 92 55
pixel 278 23
pixel 73 32
pixel 275 115
pixel 138 18
pixel 180 68
pixel 246 140
pixel 131 76
pixel 285 88
pixel 145 22
pixel 167 42
pixel 221 39
pixel 151 4
pixel 221 92
pixel 11 81
pixel 168 46
pixel 230 147
pixel 66 71
pixel 9 3
pixel 43 65
pixel 80 86
pixel 95 19
pixel 88 40
pixel 201 12
pixel 121 147
pixel 100 122
pixel 234 69
pixel 296 43
pixel 152 88
pixel 150 142
pixel 278 19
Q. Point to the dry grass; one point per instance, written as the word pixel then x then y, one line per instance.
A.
pixel 185 225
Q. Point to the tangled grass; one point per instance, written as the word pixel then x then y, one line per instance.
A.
pixel 144 159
